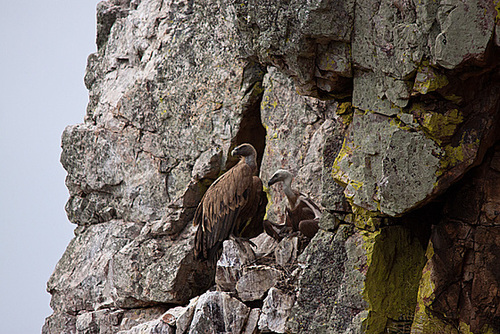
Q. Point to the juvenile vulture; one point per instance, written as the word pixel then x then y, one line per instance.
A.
pixel 302 214
pixel 234 205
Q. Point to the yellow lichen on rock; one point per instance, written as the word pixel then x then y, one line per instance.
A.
pixel 337 173
pixel 394 259
pixel 428 80
pixel 455 155
pixel 441 126
pixel 425 321
pixel 366 220
pixel 345 112
pixel 269 199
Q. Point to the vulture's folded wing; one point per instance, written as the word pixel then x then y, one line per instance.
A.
pixel 219 210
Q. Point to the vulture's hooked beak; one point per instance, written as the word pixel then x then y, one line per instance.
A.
pixel 235 152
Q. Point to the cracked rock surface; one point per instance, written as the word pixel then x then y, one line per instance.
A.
pixel 386 112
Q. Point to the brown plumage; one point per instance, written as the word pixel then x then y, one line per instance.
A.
pixel 234 205
pixel 301 214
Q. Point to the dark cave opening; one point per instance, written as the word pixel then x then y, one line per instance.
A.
pixel 251 129
pixel 420 221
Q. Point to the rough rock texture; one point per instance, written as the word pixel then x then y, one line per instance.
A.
pixel 231 265
pixel 296 127
pixel 387 113
pixel 217 312
pixel 275 311
pixel 319 284
pixel 465 292
pixel 381 174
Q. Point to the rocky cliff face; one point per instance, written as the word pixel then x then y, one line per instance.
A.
pixel 387 112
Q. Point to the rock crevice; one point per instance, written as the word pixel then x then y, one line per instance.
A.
pixel 387 113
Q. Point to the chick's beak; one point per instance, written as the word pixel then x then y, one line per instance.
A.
pixel 271 181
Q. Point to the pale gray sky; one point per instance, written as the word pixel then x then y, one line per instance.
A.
pixel 44 46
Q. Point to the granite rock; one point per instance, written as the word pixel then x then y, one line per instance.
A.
pixel 275 311
pixel 385 168
pixel 386 112
pixel 217 312
pixel 232 263
pixel 256 281
pixel 462 255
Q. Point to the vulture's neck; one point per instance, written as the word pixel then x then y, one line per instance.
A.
pixel 250 161
pixel 290 194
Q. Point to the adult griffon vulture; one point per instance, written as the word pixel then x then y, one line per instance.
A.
pixel 234 205
pixel 302 214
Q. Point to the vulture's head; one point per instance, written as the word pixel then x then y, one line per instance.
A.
pixel 280 175
pixel 244 150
